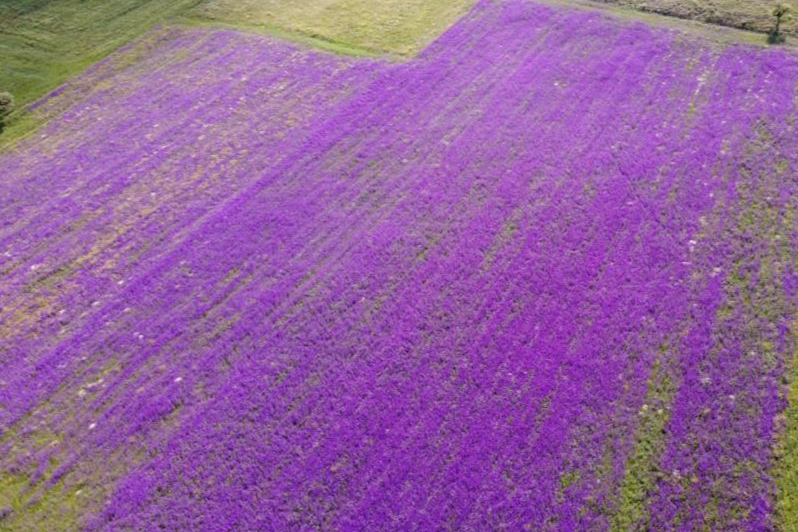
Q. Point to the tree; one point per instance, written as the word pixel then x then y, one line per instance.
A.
pixel 6 105
pixel 782 13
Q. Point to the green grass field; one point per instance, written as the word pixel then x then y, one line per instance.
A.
pixel 44 42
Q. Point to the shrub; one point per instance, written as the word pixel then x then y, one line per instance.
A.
pixel 782 13
pixel 6 105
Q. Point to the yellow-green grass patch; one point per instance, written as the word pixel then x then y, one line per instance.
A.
pixel 399 27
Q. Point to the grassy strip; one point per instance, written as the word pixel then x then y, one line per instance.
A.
pixel 311 40
pixel 641 471
pixel 787 453
pixel 55 507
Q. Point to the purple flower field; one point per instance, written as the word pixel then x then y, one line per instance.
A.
pixel 541 277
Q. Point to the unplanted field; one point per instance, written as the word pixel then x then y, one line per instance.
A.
pixel 540 277
pixel 384 26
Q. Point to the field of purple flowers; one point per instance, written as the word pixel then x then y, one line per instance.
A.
pixel 541 277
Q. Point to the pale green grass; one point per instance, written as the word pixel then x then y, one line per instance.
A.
pixel 642 469
pixel 400 27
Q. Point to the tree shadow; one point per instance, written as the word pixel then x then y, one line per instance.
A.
pixel 776 37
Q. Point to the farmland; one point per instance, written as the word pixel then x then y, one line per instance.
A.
pixel 43 43
pixel 541 276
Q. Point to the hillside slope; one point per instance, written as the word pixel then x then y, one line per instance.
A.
pixel 541 277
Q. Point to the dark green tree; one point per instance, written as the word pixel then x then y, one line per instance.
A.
pixel 6 105
pixel 782 13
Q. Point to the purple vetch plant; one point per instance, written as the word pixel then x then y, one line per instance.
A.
pixel 436 302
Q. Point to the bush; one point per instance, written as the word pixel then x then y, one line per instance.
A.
pixel 781 12
pixel 6 105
